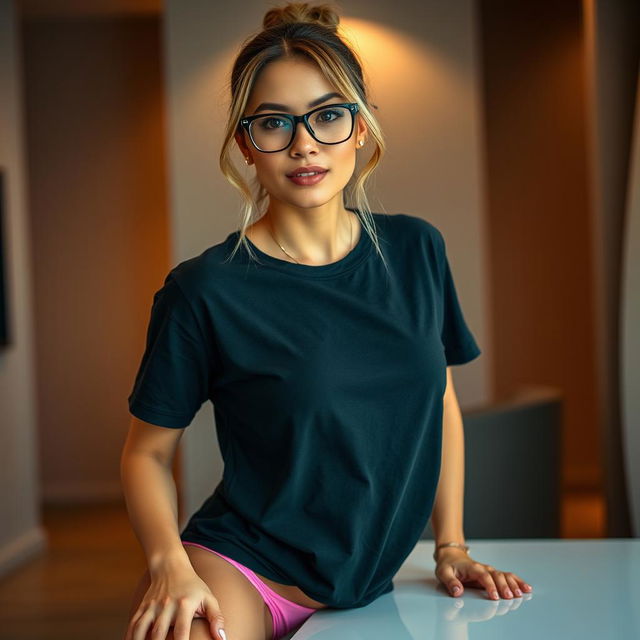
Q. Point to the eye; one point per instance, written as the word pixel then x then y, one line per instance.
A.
pixel 273 123
pixel 329 115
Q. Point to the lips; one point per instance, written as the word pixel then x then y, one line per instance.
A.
pixel 311 169
pixel 308 180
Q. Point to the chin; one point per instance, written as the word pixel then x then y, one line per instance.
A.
pixel 307 197
pixel 310 204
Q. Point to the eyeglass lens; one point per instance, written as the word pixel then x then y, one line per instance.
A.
pixel 330 125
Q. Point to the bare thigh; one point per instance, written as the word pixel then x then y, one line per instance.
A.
pixel 246 615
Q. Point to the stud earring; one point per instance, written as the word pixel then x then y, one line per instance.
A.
pixel 246 160
pixel 361 142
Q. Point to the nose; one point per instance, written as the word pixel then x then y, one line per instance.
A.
pixel 303 142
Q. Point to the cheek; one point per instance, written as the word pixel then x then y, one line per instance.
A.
pixel 344 164
pixel 268 172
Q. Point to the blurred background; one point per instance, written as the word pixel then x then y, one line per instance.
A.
pixel 511 126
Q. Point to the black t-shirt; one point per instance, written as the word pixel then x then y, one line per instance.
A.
pixel 327 385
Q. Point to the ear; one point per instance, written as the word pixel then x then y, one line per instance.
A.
pixel 239 137
pixel 363 130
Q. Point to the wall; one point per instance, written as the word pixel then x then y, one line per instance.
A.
pixel 613 44
pixel 539 215
pixel 95 122
pixel 430 114
pixel 630 339
pixel 21 534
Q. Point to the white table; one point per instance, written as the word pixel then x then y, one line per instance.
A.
pixel 582 589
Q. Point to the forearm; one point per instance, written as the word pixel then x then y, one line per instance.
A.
pixel 446 516
pixel 152 505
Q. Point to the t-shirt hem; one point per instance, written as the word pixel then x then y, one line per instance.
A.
pixel 240 555
pixel 462 354
pixel 138 409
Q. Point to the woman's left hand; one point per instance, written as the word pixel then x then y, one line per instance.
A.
pixel 455 568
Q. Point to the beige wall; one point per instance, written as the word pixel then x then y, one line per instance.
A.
pixel 21 534
pixel 73 8
pixel 421 60
pixel 612 32
pixel 520 159
pixel 630 338
pixel 107 213
pixel 539 215
pixel 559 85
pixel 95 115
pixel 102 238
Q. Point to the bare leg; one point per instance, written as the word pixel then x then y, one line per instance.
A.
pixel 246 614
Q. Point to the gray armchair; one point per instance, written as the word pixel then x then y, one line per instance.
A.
pixel 512 467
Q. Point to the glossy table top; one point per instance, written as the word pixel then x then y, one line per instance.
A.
pixel 581 589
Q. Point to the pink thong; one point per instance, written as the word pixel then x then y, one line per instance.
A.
pixel 287 615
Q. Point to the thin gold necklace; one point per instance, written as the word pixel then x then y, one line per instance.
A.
pixel 285 251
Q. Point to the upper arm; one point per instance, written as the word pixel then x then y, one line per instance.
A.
pixel 150 439
pixel 451 414
pixel 450 392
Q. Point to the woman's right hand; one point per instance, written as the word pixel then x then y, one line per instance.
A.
pixel 174 599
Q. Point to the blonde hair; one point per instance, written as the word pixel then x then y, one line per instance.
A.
pixel 298 29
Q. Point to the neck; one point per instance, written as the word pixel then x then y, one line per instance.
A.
pixel 312 236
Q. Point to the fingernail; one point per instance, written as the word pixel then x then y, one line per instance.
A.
pixel 222 634
pixel 456 589
pixel 508 593
pixel 518 592
pixel 494 595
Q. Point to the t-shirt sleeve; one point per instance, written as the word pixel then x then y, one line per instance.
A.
pixel 173 378
pixel 459 343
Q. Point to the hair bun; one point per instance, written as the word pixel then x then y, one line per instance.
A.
pixel 322 14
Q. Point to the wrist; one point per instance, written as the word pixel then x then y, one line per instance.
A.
pixel 450 547
pixel 171 561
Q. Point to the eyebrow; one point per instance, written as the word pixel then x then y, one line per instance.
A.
pixel 284 107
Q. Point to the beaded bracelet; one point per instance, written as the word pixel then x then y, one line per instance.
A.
pixel 450 544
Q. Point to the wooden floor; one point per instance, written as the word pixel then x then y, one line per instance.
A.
pixel 81 588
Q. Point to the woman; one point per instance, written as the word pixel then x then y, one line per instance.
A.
pixel 324 337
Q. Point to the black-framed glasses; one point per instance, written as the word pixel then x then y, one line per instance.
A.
pixel 272 132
